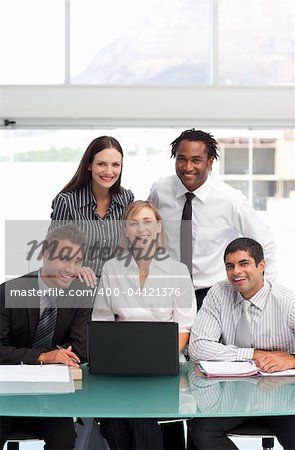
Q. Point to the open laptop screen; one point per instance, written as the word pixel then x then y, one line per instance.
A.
pixel 133 348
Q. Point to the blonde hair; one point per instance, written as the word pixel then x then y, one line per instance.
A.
pixel 130 212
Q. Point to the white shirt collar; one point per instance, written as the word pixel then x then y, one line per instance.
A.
pixel 260 298
pixel 41 284
pixel 155 265
pixel 201 192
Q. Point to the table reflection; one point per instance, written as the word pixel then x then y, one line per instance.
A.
pixel 242 396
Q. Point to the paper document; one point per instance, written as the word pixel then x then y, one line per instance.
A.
pixel 36 373
pixel 29 387
pixel 227 369
pixel 35 379
pixel 236 369
pixel 282 373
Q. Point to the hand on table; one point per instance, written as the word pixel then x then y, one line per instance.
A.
pixel 273 361
pixel 63 356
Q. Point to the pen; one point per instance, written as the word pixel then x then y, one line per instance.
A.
pixel 62 348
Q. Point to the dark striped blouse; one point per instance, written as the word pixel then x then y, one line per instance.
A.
pixel 102 234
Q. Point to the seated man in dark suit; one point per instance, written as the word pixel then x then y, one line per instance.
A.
pixel 42 320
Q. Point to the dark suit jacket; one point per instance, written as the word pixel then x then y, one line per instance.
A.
pixel 19 317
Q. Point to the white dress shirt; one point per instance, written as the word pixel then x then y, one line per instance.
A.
pixel 220 214
pixel 272 313
pixel 167 294
pixel 44 300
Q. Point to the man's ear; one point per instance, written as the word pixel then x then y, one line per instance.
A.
pixel 210 163
pixel 261 266
pixel 45 256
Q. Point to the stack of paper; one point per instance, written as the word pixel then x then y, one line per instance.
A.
pixel 35 379
pixel 236 369
pixel 228 369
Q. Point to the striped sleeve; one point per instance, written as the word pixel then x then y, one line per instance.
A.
pixel 209 327
pixel 129 197
pixel 60 209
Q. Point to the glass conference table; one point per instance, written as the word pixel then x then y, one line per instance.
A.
pixel 186 395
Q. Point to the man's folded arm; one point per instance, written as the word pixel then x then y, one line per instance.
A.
pixel 206 334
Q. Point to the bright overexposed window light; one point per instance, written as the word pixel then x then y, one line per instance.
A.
pixel 256 42
pixel 32 49
pixel 148 42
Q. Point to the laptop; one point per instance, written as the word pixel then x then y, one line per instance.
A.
pixel 133 348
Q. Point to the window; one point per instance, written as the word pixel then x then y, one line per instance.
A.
pixel 147 42
pixel 264 160
pixel 262 190
pixel 32 49
pixel 257 165
pixel 236 160
pixel 256 42
pixel 151 42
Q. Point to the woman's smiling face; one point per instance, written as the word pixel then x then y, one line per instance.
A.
pixel 106 168
pixel 143 228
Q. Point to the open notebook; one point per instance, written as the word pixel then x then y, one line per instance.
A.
pixel 236 369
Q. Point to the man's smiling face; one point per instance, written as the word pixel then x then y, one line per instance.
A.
pixel 192 164
pixel 60 267
pixel 243 273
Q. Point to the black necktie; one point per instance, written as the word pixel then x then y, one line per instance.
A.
pixel 186 235
pixel 46 326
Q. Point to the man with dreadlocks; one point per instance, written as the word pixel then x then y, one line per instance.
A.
pixel 202 214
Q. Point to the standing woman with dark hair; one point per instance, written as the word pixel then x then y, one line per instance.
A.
pixel 95 200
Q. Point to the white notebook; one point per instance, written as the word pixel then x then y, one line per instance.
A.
pixel 35 379
pixel 236 369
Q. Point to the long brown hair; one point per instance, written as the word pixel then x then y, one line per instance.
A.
pixel 82 176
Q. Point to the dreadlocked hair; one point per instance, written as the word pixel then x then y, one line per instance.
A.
pixel 197 135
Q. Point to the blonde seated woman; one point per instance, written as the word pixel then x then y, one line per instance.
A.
pixel 157 288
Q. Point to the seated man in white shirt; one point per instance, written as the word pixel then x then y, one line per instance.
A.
pixel 226 330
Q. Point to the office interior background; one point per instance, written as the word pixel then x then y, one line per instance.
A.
pixel 143 71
